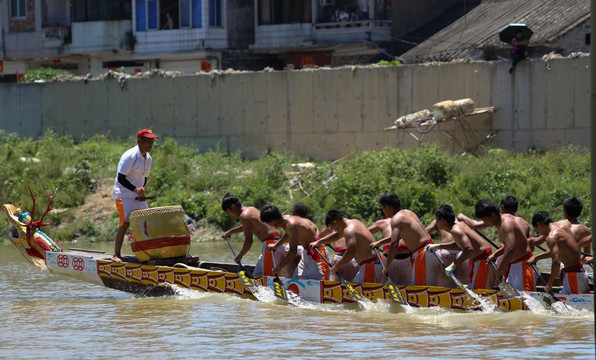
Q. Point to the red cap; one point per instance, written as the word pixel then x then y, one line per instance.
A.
pixel 146 133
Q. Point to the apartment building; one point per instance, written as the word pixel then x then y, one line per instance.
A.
pixel 92 36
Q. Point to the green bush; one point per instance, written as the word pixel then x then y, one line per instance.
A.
pixel 424 178
pixel 45 74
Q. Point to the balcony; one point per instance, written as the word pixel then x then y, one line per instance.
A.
pixel 281 36
pixel 47 42
pixel 180 40
pixel 99 36
pixel 342 32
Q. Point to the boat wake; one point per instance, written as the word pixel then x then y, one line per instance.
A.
pixel 557 309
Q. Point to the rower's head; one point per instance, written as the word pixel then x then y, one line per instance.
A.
pixel 509 204
pixel 540 221
pixel 390 204
pixel 572 207
pixel 231 205
pixel 488 212
pixel 271 215
pixel 445 217
pixel 300 209
pixel 335 220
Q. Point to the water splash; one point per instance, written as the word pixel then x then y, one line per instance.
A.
pixel 556 309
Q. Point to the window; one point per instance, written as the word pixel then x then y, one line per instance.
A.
pixel 18 9
pixel 167 14
pixel 214 12
pixel 284 12
pixel 184 13
pixel 96 10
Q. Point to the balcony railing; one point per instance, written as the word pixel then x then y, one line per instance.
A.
pixel 56 32
pixel 353 24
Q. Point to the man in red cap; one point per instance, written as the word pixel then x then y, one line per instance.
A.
pixel 129 186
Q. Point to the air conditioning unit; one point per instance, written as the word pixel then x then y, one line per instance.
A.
pixel 327 2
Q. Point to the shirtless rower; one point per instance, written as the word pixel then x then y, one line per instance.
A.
pixel 572 208
pixel 401 267
pixel 563 249
pixel 462 273
pixel 406 225
pixel 250 224
pixel 515 249
pixel 300 232
pixel 349 270
pixel 509 205
pixel 358 240
pixel 471 244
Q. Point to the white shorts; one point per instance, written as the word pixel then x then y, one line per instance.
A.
pixel 576 283
pixel 462 272
pixel 308 268
pixel 348 271
pixel 400 271
pixel 126 206
pixel 279 255
pixel 370 272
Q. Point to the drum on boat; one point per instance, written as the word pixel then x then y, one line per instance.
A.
pixel 159 233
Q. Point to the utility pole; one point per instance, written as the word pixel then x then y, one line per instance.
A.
pixel 593 129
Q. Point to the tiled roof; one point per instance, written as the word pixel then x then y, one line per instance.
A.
pixel 479 28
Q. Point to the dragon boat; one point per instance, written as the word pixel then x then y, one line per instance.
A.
pixel 145 274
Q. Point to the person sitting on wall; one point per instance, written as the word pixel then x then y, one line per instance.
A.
pixel 519 44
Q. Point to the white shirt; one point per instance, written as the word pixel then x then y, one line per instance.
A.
pixel 136 168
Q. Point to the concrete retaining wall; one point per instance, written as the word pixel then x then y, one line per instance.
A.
pixel 322 113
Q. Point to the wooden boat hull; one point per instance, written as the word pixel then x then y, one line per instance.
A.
pixel 151 280
pixel 157 280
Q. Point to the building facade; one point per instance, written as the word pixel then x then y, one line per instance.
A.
pixel 84 36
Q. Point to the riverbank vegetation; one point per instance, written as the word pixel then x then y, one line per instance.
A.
pixel 424 177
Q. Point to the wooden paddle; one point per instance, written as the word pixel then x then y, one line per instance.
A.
pixel 356 296
pixel 507 289
pixel 455 280
pixel 245 275
pixel 552 295
pixel 544 282
pixel 278 286
pixel 394 293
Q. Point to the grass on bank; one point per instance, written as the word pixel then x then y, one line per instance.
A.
pixel 425 178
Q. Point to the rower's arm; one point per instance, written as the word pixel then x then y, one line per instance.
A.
pixel 247 228
pixel 508 247
pixel 329 239
pixel 535 241
pixel 348 254
pixel 235 230
pixel 284 239
pixel 541 256
pixel 432 227
pixel 381 242
pixel 474 224
pixel 462 242
pixel 556 261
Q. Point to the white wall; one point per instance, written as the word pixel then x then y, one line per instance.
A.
pixel 323 113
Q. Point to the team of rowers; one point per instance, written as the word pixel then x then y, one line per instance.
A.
pixel 409 255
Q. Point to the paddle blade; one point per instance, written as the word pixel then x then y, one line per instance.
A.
pixel 508 290
pixel 356 296
pixel 279 289
pixel 394 293
pixel 247 282
pixel 244 270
